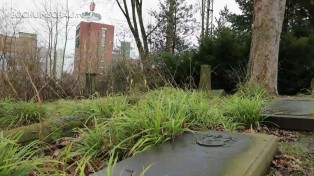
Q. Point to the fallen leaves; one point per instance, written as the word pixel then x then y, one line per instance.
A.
pixel 284 164
pixel 287 162
pixel 283 135
pixel 288 165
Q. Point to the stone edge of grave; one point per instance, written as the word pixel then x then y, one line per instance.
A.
pixel 217 92
pixel 256 160
pixel 47 131
pixel 289 122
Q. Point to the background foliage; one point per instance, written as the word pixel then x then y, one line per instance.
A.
pixel 228 50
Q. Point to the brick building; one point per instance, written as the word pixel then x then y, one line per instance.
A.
pixel 14 49
pixel 93 48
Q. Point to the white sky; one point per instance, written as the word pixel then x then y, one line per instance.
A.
pixel 107 8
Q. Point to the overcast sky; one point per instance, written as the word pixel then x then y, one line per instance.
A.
pixel 107 8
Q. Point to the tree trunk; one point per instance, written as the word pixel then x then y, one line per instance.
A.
pixel 135 22
pixel 267 27
pixel 139 9
pixel 66 38
pixel 55 57
pixel 170 26
pixel 207 18
pixel 203 19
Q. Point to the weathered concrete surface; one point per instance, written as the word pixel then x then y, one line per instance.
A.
pixel 48 131
pixel 240 155
pixel 217 93
pixel 205 83
pixel 291 113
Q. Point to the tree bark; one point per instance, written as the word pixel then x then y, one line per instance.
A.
pixel 267 28
pixel 203 19
pixel 54 67
pixel 207 18
pixel 139 9
pixel 170 26
pixel 66 37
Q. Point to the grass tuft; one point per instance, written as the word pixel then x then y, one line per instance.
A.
pixel 253 92
pixel 99 108
pixel 16 159
pixel 93 142
pixel 246 106
pixel 17 114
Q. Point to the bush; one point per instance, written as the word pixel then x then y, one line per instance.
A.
pixel 227 53
pixel 296 65
pixel 177 70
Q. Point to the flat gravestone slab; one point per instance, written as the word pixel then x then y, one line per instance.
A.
pixel 291 113
pixel 209 154
pixel 217 92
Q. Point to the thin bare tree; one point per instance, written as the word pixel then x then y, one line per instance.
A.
pixel 67 30
pixel 134 16
pixel 50 25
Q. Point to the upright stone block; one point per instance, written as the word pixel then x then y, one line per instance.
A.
pixel 205 80
pixel 312 85
pixel 138 83
pixel 90 84
pixel 290 113
pixel 48 131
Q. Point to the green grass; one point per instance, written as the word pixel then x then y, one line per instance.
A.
pixel 244 110
pixel 155 120
pixel 301 150
pixel 94 142
pixel 160 116
pixel 246 105
pixel 295 150
pixel 17 114
pixel 121 129
pixel 252 92
pixel 16 159
pixel 99 108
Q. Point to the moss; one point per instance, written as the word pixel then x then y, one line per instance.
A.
pixel 301 150
pixel 306 138
pixel 63 127
pixel 294 149
pixel 50 130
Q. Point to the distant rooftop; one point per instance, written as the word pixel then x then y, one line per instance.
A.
pixel 28 35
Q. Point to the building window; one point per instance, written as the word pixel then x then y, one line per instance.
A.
pixel 78 30
pixel 77 42
pixel 103 36
pixel 77 38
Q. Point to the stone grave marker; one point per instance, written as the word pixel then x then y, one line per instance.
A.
pixel 208 154
pixel 290 113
